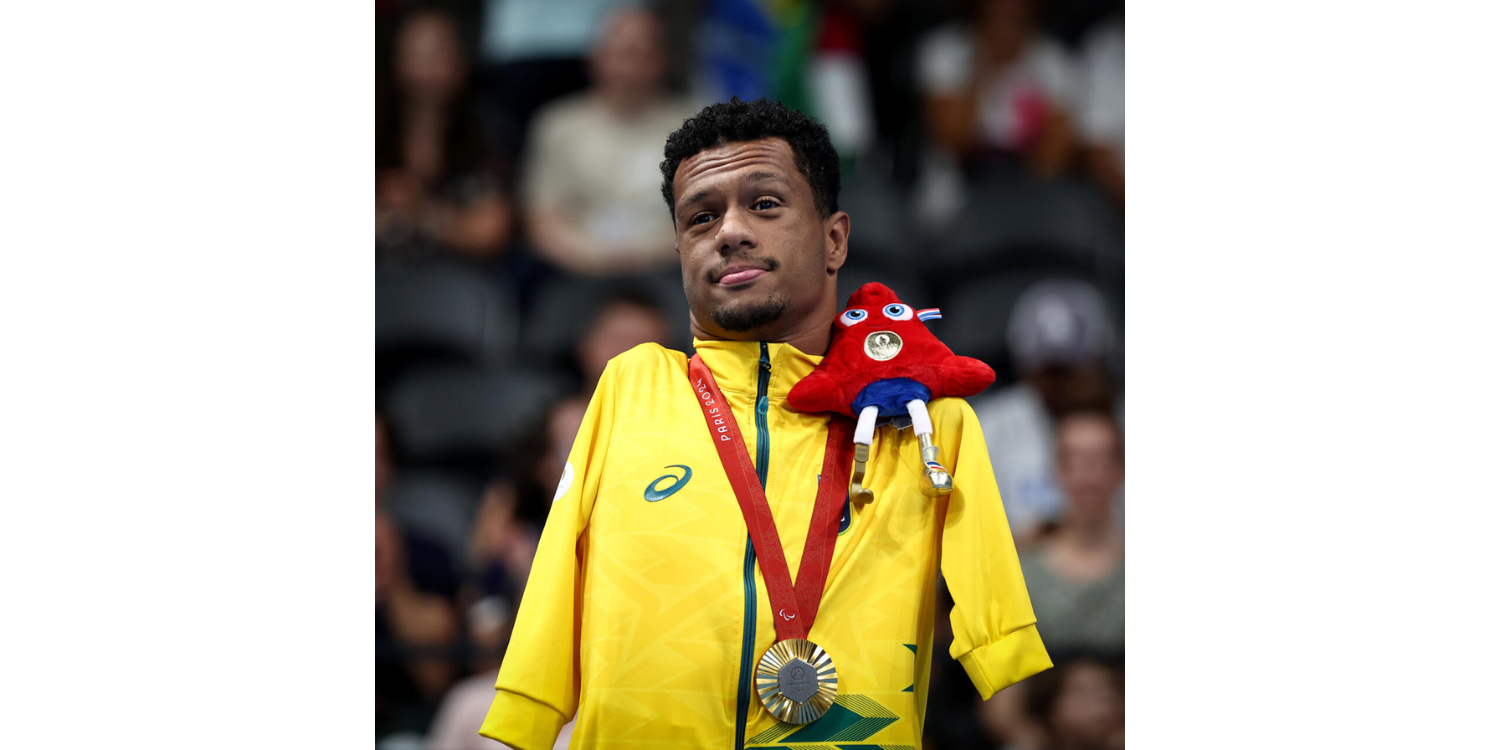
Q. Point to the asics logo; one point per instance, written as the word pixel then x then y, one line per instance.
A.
pixel 655 493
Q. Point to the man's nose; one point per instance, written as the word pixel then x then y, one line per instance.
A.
pixel 735 232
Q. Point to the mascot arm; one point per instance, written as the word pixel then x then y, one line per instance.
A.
pixel 818 392
pixel 965 376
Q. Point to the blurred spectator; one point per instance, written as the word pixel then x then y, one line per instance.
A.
pixel 1076 578
pixel 457 724
pixel 385 462
pixel 1080 705
pixel 562 428
pixel 993 86
pixel 1059 335
pixel 438 186
pixel 414 582
pixel 406 618
pixel 1076 572
pixel 533 51
pixel 500 552
pixel 501 547
pixel 591 188
pixel 1101 117
pixel 809 55
pixel 426 561
pixel 838 81
pixel 626 321
pixel 627 318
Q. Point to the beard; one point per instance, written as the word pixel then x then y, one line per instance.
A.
pixel 745 316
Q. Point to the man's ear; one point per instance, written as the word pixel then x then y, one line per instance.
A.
pixel 836 240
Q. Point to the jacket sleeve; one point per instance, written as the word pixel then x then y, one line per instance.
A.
pixel 537 690
pixel 994 630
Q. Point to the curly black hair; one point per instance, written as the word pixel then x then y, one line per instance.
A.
pixel 735 121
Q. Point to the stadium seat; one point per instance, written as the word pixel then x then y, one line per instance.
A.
pixel 880 232
pixel 1011 219
pixel 976 314
pixel 566 306
pixel 443 310
pixel 439 504
pixel 908 286
pixel 450 413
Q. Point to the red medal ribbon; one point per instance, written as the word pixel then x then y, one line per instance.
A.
pixel 795 606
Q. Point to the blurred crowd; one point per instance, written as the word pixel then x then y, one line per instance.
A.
pixel 522 241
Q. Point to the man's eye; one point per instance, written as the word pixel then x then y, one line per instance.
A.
pixel 699 218
pixel 766 204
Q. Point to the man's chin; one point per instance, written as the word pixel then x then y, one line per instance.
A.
pixel 742 316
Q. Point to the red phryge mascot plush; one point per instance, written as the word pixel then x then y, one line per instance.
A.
pixel 884 362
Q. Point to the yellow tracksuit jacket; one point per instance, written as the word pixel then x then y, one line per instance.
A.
pixel 645 612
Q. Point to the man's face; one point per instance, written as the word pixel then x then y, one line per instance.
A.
pixel 756 254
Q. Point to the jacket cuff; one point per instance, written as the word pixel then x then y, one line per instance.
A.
pixel 1016 656
pixel 521 722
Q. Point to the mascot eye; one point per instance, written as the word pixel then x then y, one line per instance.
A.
pixel 897 311
pixel 850 317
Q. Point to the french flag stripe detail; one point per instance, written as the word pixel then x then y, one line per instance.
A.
pixel 931 313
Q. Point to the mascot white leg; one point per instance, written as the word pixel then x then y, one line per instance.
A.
pixel 864 434
pixel 939 481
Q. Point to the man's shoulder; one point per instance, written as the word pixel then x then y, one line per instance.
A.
pixel 953 416
pixel 643 384
pixel 649 360
pixel 942 410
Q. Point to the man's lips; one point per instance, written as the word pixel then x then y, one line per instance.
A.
pixel 740 275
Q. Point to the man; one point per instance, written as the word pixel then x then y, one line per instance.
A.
pixel 1060 338
pixel 589 185
pixel 648 611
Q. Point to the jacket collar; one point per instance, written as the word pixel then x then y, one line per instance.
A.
pixel 736 365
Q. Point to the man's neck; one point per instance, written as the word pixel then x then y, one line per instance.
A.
pixel 810 336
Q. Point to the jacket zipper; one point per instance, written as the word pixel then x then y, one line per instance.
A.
pixel 762 461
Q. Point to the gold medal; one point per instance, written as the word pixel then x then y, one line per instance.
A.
pixel 796 680
pixel 882 345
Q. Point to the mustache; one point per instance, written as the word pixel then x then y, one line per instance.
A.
pixel 768 263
